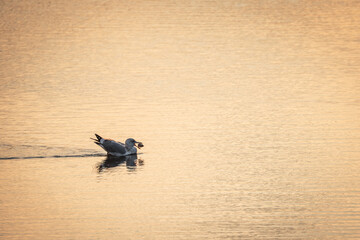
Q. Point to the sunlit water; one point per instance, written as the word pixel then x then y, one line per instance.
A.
pixel 249 112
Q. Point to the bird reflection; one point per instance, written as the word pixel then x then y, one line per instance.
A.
pixel 130 161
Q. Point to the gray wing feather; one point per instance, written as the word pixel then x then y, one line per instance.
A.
pixel 114 147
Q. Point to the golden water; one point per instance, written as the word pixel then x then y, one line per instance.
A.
pixel 249 112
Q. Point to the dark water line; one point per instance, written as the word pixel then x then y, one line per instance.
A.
pixel 57 156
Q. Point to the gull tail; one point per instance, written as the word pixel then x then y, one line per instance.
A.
pixel 98 137
pixel 97 140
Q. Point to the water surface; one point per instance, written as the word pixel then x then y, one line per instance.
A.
pixel 249 112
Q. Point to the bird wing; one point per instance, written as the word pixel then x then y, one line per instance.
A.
pixel 113 147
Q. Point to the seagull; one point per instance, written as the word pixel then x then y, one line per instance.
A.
pixel 118 149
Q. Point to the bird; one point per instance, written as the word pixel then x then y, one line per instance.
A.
pixel 118 149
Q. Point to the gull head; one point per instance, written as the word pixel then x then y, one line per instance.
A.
pixel 130 143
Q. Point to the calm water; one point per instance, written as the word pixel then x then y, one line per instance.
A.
pixel 249 112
